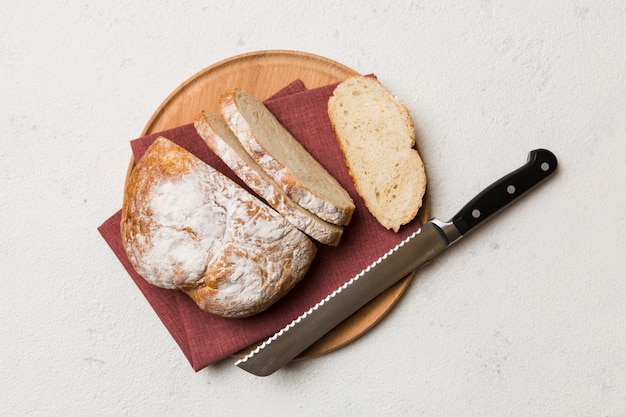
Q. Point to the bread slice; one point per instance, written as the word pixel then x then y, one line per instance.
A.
pixel 223 142
pixel 186 226
pixel 284 159
pixel 377 138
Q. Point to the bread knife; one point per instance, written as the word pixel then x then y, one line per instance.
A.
pixel 427 242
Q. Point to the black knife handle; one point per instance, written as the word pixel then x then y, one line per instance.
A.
pixel 541 165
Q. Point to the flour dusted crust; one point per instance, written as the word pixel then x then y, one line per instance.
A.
pixel 376 135
pixel 218 136
pixel 186 226
pixel 284 159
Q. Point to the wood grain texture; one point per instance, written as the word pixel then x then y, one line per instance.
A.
pixel 259 73
pixel 262 74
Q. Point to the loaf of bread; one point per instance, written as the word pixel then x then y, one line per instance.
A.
pixel 377 138
pixel 186 226
pixel 223 142
pixel 284 159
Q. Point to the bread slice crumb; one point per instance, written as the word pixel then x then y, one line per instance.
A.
pixel 377 138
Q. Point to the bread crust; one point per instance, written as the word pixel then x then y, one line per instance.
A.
pixel 185 226
pixel 329 201
pixel 376 136
pixel 217 135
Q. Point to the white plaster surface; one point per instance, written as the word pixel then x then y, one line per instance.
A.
pixel 525 318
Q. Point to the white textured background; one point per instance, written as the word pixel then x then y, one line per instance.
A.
pixel 525 318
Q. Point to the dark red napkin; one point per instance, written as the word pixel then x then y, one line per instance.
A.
pixel 205 338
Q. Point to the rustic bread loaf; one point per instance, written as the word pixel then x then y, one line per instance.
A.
pixel 284 159
pixel 218 136
pixel 377 138
pixel 186 226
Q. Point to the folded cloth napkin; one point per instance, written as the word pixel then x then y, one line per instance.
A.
pixel 205 338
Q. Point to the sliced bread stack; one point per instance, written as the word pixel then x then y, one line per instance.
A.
pixel 260 151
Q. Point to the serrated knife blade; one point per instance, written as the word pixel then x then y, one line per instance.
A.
pixel 430 240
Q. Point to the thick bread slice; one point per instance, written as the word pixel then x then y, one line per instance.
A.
pixel 186 226
pixel 377 138
pixel 223 142
pixel 284 159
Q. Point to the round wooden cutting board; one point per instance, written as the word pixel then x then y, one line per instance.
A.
pixel 262 74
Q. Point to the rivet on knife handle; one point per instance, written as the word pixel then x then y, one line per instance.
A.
pixel 421 246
